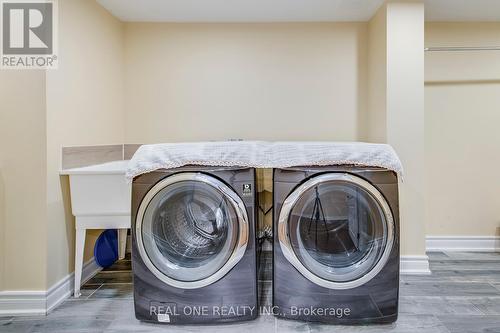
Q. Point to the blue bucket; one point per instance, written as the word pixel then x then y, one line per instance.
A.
pixel 106 248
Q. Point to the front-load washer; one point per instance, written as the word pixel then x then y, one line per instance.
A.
pixel 336 244
pixel 193 248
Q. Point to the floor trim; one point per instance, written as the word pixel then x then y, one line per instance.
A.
pixel 29 303
pixel 22 303
pixel 414 265
pixel 463 243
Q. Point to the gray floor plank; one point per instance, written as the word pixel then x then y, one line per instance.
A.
pixel 465 265
pixel 442 276
pixel 487 305
pixel 12 326
pixel 477 256
pixel 405 324
pixel 82 323
pixel 471 324
pixel 115 290
pixel 461 295
pixel 437 305
pixel 425 288
pixel 108 277
pixel 437 255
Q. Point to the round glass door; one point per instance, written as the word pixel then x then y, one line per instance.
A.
pixel 337 230
pixel 191 230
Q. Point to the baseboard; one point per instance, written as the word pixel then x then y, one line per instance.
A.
pixel 414 265
pixel 463 243
pixel 29 303
pixel 22 303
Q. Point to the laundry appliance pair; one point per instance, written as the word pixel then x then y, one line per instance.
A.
pixel 335 251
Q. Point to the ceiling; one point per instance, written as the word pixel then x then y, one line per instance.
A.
pixel 288 10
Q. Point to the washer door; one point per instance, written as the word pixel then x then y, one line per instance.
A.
pixel 337 230
pixel 191 229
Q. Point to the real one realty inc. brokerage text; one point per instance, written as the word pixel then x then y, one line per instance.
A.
pixel 203 310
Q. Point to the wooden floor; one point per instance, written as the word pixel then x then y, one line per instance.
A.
pixel 461 295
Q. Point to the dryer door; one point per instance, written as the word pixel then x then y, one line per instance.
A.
pixel 191 229
pixel 337 230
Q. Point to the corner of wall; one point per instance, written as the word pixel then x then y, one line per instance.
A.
pixel 405 115
pixel 90 111
pixel 376 128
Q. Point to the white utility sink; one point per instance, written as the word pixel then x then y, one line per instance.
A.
pixel 100 199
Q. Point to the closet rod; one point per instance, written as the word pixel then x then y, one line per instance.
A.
pixel 462 48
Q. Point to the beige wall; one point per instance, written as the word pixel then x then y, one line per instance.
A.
pixel 23 223
pixel 462 111
pixel 405 115
pixel 140 82
pixel 84 107
pixel 376 128
pixel 188 82
pixel 395 113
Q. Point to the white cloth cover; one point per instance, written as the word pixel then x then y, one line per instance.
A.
pixel 262 154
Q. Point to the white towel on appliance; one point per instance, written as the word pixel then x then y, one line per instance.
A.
pixel 262 154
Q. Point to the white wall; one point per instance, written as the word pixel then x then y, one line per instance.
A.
pixel 84 107
pixel 185 82
pixel 462 110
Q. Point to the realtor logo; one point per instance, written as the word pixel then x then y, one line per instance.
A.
pixel 28 34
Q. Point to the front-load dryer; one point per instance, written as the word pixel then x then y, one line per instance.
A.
pixel 336 244
pixel 193 249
